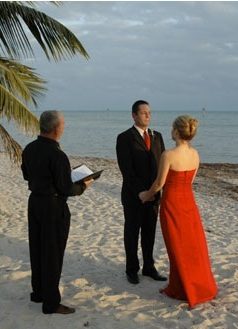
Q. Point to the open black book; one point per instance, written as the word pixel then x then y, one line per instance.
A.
pixel 82 173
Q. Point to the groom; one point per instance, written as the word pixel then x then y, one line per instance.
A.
pixel 138 154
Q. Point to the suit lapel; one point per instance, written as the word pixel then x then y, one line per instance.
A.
pixel 137 137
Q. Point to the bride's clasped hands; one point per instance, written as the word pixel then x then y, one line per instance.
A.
pixel 145 196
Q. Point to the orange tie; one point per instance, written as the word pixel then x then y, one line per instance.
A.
pixel 147 140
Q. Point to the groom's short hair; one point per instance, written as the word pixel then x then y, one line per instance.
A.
pixel 135 106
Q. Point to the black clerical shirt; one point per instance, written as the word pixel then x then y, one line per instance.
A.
pixel 47 169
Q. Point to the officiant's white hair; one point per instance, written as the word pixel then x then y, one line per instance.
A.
pixel 49 120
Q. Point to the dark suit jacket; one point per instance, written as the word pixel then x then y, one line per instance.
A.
pixel 138 166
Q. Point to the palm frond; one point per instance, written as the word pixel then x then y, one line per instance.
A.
pixel 13 109
pixel 20 80
pixel 54 38
pixel 34 3
pixel 10 146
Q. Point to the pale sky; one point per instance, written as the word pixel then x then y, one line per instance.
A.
pixel 176 55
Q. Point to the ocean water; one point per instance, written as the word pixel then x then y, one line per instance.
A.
pixel 94 133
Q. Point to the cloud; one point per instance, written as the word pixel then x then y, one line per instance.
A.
pixel 170 21
pixel 178 55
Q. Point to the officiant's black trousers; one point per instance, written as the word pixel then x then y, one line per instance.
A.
pixel 139 219
pixel 49 221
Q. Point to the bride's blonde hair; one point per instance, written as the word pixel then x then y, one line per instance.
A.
pixel 186 126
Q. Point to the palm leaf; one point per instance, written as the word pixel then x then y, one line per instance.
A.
pixel 34 3
pixel 54 38
pixel 10 146
pixel 21 80
pixel 13 109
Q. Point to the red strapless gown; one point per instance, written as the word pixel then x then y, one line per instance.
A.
pixel 190 277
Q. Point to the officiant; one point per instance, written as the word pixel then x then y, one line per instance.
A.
pixel 47 169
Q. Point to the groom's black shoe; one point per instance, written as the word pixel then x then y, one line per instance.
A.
pixel 132 278
pixel 152 273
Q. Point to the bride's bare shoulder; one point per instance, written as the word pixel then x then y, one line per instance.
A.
pixel 194 150
pixel 168 153
pixel 195 154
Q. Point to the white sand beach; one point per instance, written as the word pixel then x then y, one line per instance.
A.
pixel 93 278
